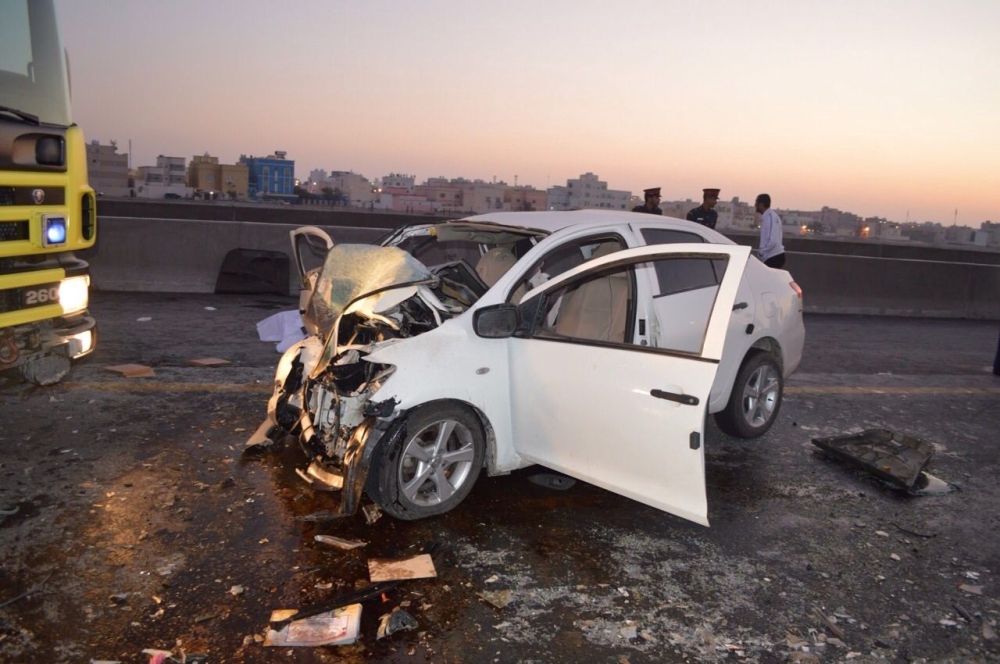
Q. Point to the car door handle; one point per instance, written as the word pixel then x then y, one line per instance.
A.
pixel 740 305
pixel 686 399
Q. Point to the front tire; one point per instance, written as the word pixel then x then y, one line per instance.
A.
pixel 432 467
pixel 756 398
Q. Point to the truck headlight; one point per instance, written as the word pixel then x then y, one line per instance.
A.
pixel 74 294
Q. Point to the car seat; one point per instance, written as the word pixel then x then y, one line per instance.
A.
pixel 494 264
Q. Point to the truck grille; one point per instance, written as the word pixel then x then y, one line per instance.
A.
pixel 32 196
pixel 12 231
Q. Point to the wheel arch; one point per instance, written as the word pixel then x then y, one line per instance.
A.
pixel 765 344
pixel 489 434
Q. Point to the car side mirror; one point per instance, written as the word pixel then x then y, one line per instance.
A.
pixel 499 321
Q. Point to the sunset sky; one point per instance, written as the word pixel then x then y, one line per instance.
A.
pixel 885 108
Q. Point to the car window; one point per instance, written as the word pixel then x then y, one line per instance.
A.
pixel 687 288
pixel 563 258
pixel 669 236
pixel 596 307
pixel 683 274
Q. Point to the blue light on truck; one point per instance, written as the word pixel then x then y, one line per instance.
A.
pixel 55 230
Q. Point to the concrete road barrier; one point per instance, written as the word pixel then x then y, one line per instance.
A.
pixel 896 287
pixel 178 255
pixel 184 256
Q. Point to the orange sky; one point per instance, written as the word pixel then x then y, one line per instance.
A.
pixel 883 109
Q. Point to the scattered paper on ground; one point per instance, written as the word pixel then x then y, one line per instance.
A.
pixel 208 362
pixel 335 628
pixel 132 370
pixel 416 567
pixel 285 327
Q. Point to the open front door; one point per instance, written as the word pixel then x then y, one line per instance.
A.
pixel 588 402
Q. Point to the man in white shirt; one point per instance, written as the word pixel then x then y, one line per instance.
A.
pixel 771 250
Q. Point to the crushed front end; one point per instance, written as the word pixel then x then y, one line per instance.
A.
pixel 326 392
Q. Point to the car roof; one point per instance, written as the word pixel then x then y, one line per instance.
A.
pixel 551 221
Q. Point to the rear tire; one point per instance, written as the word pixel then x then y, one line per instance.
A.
pixel 756 397
pixel 432 467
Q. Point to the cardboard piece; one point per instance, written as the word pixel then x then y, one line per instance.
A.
pixel 333 628
pixel 132 370
pixel 415 567
pixel 208 362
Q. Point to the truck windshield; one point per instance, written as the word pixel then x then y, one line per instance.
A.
pixel 33 76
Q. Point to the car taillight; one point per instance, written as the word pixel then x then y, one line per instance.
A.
pixel 796 288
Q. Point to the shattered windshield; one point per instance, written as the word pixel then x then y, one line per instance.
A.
pixel 352 270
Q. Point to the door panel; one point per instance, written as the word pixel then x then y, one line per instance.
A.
pixel 589 411
pixel 624 417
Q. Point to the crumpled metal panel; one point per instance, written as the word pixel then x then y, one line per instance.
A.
pixel 894 457
pixel 352 270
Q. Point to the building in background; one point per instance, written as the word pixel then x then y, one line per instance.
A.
pixel 210 180
pixel 587 192
pixel 168 179
pixel 271 177
pixel 525 199
pixel 107 170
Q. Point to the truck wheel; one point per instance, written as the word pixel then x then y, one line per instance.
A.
pixel 432 467
pixel 756 398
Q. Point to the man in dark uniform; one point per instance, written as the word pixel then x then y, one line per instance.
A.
pixel 705 213
pixel 652 205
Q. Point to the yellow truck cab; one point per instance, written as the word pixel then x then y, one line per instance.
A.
pixel 47 209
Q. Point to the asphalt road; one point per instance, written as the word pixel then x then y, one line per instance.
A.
pixel 130 514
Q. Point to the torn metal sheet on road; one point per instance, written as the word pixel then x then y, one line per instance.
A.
pixel 892 457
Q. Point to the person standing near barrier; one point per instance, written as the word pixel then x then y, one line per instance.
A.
pixel 705 213
pixel 771 250
pixel 652 204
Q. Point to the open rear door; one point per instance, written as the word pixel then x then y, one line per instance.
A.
pixel 629 418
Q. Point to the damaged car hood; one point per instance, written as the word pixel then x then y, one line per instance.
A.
pixel 353 278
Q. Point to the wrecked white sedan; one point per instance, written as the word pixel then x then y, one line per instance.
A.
pixel 593 343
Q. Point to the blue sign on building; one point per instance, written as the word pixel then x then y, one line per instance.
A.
pixel 272 176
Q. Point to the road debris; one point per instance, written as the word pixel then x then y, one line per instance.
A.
pixel 972 590
pixel 333 628
pixel 30 591
pixel 208 362
pixel 830 624
pixel 550 481
pixel 498 598
pixel 278 621
pixel 320 516
pixel 132 370
pixel 396 621
pixel 372 513
pixel 342 544
pixel 236 591
pixel 895 458
pixel 962 611
pixel 420 566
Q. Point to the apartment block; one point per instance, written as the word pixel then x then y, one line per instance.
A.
pixel 587 192
pixel 270 177
pixel 210 179
pixel 107 170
